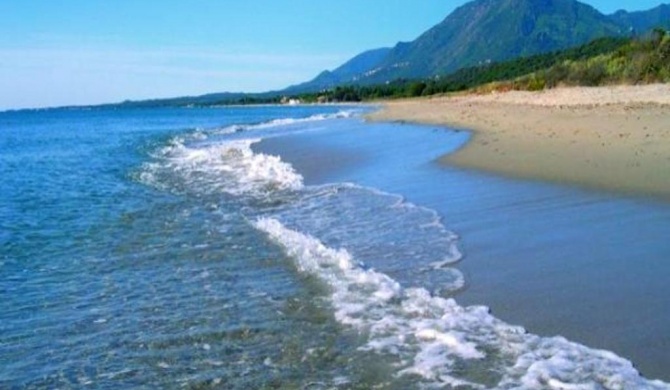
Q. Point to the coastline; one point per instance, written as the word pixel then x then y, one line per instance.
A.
pixel 614 138
pixel 551 258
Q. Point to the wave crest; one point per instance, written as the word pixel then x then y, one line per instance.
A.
pixel 228 167
pixel 444 343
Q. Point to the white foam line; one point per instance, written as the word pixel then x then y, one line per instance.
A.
pixel 228 166
pixel 448 248
pixel 285 122
pixel 430 335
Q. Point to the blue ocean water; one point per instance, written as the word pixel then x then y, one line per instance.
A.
pixel 159 248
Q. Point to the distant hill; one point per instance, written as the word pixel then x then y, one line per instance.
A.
pixel 347 73
pixel 485 31
pixel 211 99
pixel 479 33
pixel 644 21
pixel 350 72
pixel 604 61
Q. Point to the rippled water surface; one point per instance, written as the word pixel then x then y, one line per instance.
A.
pixel 157 248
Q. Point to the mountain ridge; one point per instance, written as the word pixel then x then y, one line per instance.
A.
pixel 485 31
pixel 391 65
pixel 642 21
pixel 347 72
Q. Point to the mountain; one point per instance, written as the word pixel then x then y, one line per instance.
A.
pixel 643 21
pixel 479 32
pixel 495 30
pixel 348 73
pixel 485 31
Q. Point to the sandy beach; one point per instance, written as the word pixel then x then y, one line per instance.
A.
pixel 609 138
pixel 554 259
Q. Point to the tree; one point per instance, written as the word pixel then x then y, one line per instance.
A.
pixel 658 34
pixel 416 89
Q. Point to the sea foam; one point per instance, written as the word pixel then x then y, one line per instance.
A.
pixel 227 166
pixel 193 162
pixel 282 122
pixel 428 336
pixel 442 342
pixel 382 230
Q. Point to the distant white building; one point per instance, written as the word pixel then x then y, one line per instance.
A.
pixel 290 102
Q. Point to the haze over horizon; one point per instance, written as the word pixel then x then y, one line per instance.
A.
pixel 74 53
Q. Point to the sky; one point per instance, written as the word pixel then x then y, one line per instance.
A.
pixel 74 52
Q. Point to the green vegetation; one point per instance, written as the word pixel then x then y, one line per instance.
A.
pixel 488 45
pixel 603 61
pixel 636 61
pixel 483 31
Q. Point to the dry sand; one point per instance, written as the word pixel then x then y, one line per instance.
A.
pixel 611 138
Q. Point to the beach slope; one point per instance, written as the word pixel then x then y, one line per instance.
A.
pixel 614 138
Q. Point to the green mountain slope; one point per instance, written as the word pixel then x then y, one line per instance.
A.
pixel 482 32
pixel 604 61
pixel 643 21
pixel 495 30
pixel 349 72
pixel 486 31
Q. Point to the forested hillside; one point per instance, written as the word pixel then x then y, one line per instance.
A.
pixel 603 61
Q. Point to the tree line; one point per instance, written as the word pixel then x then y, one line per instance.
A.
pixel 602 61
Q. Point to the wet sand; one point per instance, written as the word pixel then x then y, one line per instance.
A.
pixel 590 266
pixel 607 138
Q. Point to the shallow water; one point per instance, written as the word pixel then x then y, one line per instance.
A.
pixel 160 248
pixel 561 261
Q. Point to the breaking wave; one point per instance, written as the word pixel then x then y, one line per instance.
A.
pixel 388 266
pixel 443 343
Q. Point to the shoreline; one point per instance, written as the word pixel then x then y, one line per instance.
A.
pixel 613 138
pixel 553 259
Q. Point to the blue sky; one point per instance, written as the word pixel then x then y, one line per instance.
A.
pixel 86 52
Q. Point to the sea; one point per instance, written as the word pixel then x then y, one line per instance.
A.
pixel 304 248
